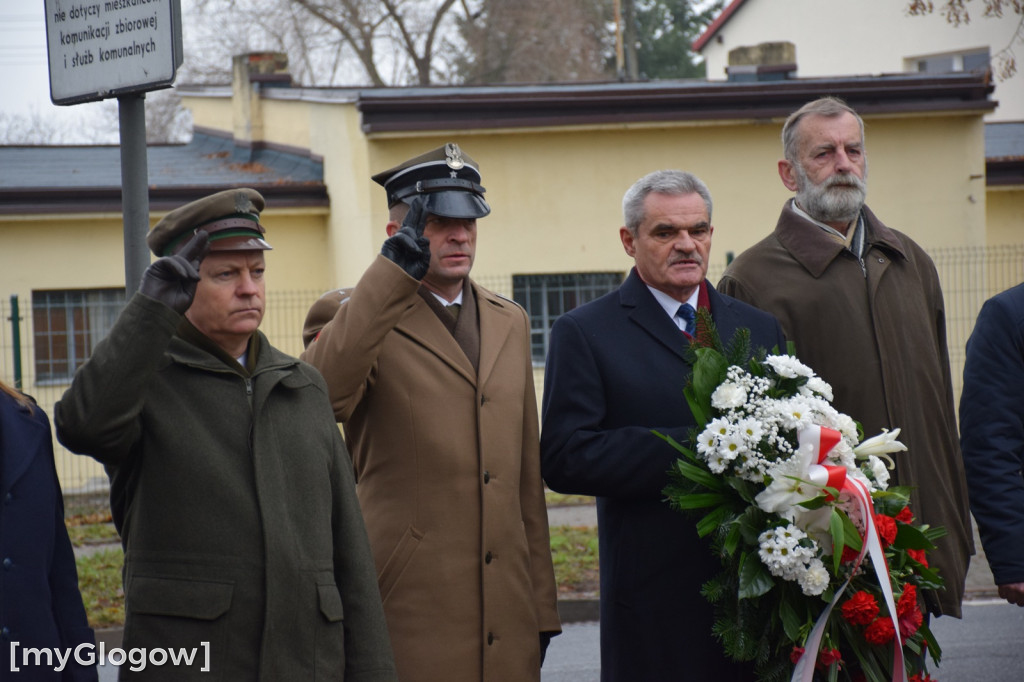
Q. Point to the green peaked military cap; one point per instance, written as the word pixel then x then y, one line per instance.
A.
pixel 447 178
pixel 231 218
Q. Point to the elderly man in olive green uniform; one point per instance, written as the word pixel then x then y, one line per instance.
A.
pixel 230 484
pixel 440 413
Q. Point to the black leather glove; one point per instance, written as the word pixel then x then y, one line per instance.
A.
pixel 407 247
pixel 172 280
pixel 545 640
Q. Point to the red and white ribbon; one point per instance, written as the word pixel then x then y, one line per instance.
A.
pixel 822 439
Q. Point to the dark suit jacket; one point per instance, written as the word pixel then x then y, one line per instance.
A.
pixel 992 431
pixel 40 605
pixel 616 370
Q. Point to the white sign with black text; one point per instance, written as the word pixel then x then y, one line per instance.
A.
pixel 103 48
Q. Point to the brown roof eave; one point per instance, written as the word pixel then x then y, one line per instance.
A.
pixel 536 107
pixel 1004 172
pixel 46 200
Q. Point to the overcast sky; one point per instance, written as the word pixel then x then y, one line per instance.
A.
pixel 24 73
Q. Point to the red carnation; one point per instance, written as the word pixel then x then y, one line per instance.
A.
pixel 827 657
pixel 849 554
pixel 886 526
pixel 905 515
pixel 860 609
pixel 907 611
pixel 921 677
pixel 796 654
pixel 880 632
pixel 918 556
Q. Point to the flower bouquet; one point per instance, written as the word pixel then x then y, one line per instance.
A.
pixel 821 560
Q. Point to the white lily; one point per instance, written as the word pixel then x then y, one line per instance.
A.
pixel 789 486
pixel 880 446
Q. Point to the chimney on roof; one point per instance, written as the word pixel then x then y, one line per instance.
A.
pixel 250 74
pixel 763 62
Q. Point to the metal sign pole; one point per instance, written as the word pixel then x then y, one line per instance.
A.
pixel 117 49
pixel 134 188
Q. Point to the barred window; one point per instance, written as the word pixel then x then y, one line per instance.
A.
pixel 545 297
pixel 66 325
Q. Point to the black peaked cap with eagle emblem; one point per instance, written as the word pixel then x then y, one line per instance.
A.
pixel 447 178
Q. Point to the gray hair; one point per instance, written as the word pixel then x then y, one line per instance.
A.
pixel 671 182
pixel 829 107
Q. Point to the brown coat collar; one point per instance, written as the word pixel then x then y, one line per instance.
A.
pixel 815 250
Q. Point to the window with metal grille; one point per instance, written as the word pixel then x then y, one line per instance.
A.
pixel 66 325
pixel 545 297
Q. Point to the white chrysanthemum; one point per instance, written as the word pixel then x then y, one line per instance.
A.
pixel 844 424
pixel 814 580
pixel 820 387
pixel 717 461
pixel 728 396
pixel 719 426
pixel 788 366
pixel 795 413
pixel 731 447
pixel 843 454
pixel 781 552
pixel 878 471
pixel 707 442
pixel 751 431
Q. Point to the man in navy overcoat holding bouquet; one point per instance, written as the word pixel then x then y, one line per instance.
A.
pixel 615 371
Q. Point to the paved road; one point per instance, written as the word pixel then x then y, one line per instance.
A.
pixel 988 644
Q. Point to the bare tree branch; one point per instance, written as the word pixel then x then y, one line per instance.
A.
pixel 957 12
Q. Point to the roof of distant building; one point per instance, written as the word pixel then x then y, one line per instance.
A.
pixel 36 179
pixel 1004 154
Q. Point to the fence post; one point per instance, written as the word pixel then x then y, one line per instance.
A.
pixel 16 337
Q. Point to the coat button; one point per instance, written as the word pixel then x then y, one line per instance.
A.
pixel 490 638
pixel 8 563
pixel 7 498
pixel 5 632
pixel 487 477
pixel 488 557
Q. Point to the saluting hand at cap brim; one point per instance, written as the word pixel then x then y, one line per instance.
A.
pixel 172 280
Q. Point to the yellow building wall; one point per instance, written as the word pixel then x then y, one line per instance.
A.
pixel 556 194
pixel 1004 215
pixel 86 252
pixel 556 197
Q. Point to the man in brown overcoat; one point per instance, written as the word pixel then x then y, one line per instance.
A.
pixel 862 304
pixel 440 415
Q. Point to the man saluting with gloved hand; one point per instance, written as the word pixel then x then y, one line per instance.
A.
pixel 431 376
pixel 229 481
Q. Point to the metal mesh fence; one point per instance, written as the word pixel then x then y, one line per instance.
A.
pixel 969 276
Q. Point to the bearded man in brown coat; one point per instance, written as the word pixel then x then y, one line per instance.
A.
pixel 440 414
pixel 863 305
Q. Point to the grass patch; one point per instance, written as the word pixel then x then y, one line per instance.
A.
pixel 88 520
pixel 574 554
pixel 99 580
pixel 554 499
pixel 93 534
